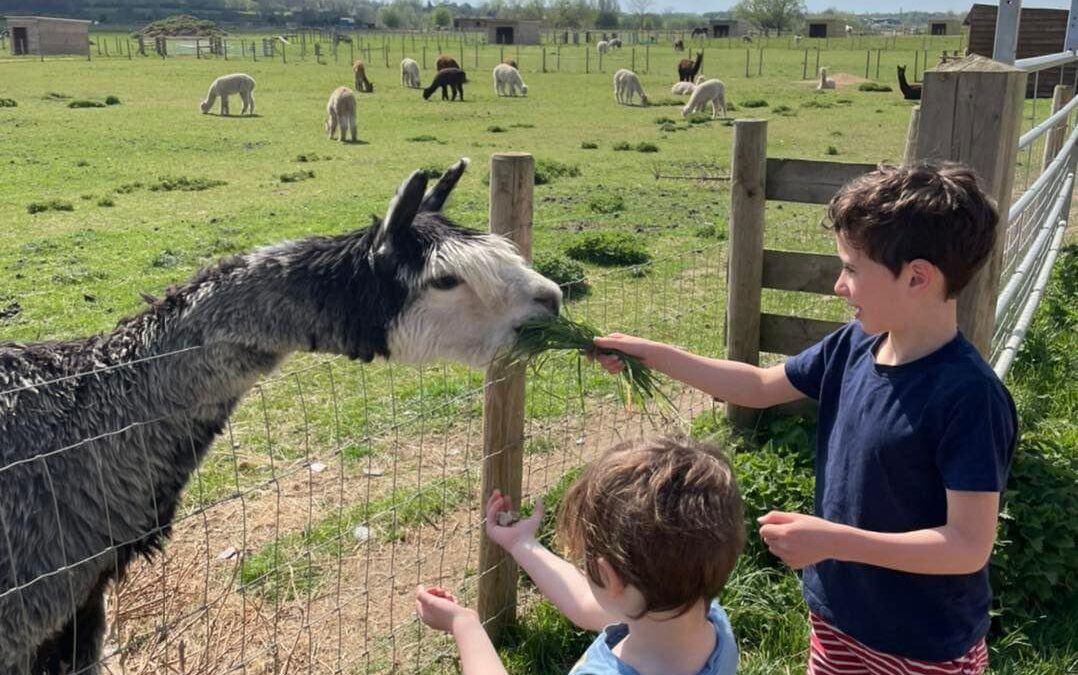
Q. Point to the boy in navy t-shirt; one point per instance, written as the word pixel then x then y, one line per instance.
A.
pixel 915 437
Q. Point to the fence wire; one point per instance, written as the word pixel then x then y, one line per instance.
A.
pixel 333 490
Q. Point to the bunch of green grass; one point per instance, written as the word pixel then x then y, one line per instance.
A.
pixel 538 336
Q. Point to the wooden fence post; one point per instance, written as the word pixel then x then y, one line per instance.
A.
pixel 971 113
pixel 512 180
pixel 744 272
pixel 910 155
pixel 1061 96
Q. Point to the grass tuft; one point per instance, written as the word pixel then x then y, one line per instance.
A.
pixel 296 176
pixel 873 86
pixel 50 205
pixel 184 184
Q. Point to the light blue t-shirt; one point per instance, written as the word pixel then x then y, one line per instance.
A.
pixel 600 659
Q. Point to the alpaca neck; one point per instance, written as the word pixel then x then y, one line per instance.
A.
pixel 238 320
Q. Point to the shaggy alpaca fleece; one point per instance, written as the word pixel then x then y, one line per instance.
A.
pixel 226 85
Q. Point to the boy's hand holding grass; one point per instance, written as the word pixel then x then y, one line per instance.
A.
pixel 520 533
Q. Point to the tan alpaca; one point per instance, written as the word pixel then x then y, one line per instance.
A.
pixel 341 111
pixel 362 83
pixel 824 82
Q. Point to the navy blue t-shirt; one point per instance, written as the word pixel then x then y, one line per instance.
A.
pixel 891 440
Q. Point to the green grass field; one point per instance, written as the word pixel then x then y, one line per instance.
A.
pixel 136 225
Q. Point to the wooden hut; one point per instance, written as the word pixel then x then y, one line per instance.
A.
pixel 48 36
pixel 945 26
pixel 825 27
pixel 501 31
pixel 1040 32
pixel 728 28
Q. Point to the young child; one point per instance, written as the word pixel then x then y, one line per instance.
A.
pixel 657 526
pixel 915 435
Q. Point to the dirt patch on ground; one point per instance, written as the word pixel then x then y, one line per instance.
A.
pixel 347 604
pixel 841 80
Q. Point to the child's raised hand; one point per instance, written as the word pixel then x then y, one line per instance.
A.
pixel 508 536
pixel 439 609
pixel 628 344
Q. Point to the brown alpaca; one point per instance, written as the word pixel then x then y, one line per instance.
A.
pixel 341 113
pixel 687 70
pixel 362 83
pixel 510 62
pixel 445 61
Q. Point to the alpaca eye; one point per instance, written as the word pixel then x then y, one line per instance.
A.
pixel 445 283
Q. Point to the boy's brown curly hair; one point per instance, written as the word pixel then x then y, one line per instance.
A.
pixel 665 513
pixel 935 212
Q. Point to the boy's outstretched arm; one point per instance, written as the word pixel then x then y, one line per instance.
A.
pixel 738 383
pixel 961 546
pixel 437 608
pixel 556 578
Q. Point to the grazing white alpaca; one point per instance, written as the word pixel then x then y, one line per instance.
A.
pixel 225 86
pixel 602 46
pixel 713 91
pixel 849 30
pixel 825 83
pixel 626 84
pixel 341 111
pixel 409 73
pixel 506 77
pixel 797 39
pixel 683 88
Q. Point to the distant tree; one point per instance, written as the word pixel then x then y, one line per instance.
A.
pixel 390 17
pixel 607 13
pixel 570 13
pixel 441 17
pixel 768 15
pixel 640 8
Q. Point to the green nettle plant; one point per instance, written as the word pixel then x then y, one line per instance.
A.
pixel 569 274
pixel 610 248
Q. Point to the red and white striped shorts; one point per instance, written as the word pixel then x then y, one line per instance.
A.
pixel 833 652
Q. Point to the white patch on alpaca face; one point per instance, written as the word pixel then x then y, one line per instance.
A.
pixel 479 316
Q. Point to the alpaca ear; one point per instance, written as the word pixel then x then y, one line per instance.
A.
pixel 402 210
pixel 436 197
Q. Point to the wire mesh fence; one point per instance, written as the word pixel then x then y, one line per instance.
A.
pixel 334 489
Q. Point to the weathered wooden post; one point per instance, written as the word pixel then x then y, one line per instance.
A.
pixel 971 113
pixel 910 155
pixel 1061 96
pixel 744 272
pixel 512 180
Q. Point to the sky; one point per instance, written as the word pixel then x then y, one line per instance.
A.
pixel 856 6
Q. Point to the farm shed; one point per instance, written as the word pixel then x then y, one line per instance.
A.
pixel 724 28
pixel 824 27
pixel 502 31
pixel 47 36
pixel 945 26
pixel 1040 31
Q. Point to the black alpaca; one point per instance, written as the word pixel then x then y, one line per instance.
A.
pixel 99 436
pixel 687 70
pixel 450 77
pixel 910 92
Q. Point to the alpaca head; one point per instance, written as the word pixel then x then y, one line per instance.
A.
pixel 204 107
pixel 524 89
pixel 467 293
pixel 414 286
